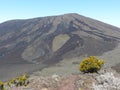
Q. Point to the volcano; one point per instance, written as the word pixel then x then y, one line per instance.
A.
pixel 28 44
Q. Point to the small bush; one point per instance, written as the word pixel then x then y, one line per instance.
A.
pixel 91 65
pixel 19 81
pixel 1 86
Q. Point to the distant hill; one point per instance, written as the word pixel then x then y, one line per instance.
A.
pixel 47 40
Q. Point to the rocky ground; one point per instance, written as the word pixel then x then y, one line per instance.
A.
pixel 66 76
pixel 106 79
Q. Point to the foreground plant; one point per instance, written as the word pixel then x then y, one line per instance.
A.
pixel 1 86
pixel 91 65
pixel 19 81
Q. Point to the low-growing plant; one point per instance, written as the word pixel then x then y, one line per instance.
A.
pixel 1 86
pixel 91 65
pixel 19 81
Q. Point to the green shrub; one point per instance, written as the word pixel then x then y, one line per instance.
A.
pixel 91 65
pixel 19 81
pixel 1 86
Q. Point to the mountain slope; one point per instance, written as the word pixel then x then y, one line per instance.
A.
pixel 47 40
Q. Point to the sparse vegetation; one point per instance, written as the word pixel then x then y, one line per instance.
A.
pixel 18 81
pixel 1 86
pixel 91 65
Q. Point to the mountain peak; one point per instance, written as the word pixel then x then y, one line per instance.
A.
pixel 71 14
pixel 47 40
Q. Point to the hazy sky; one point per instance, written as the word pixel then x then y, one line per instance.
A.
pixel 104 10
